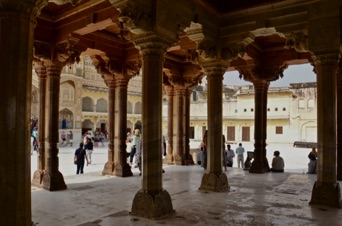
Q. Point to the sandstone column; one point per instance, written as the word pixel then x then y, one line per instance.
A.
pixel 122 169
pixel 16 44
pixel 214 179
pixel 52 179
pixel 179 125
pixel 39 173
pixel 152 200
pixel 169 156
pixel 260 163
pixel 326 190
pixel 187 156
pixel 339 121
pixel 110 166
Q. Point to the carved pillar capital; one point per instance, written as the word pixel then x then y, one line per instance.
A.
pixel 32 8
pixel 215 70
pixel 258 72
pixel 169 91
pixel 152 46
pixel 326 58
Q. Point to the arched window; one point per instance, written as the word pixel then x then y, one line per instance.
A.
pixel 87 104
pixel 67 92
pixel 101 105
pixel 137 108
pixel 66 119
pixel 129 108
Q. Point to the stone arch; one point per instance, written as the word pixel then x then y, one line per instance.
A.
pixel 311 103
pixel 308 131
pixel 129 107
pixel 87 104
pixel 101 105
pixel 137 108
pixel 68 117
pixel 129 126
pixel 87 125
pixel 67 92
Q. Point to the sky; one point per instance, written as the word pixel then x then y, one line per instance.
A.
pixel 293 74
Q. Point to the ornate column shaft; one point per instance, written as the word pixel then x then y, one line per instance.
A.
pixel 169 156
pixel 179 125
pixel 110 165
pixel 214 179
pixel 326 190
pixel 53 179
pixel 260 163
pixel 16 43
pixel 152 200
pixel 187 155
pixel 339 121
pixel 39 173
pixel 122 169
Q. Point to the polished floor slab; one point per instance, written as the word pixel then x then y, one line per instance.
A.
pixel 254 199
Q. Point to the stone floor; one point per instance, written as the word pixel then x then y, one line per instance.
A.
pixel 254 199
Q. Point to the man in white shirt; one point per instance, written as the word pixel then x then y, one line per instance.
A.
pixel 239 151
pixel 230 155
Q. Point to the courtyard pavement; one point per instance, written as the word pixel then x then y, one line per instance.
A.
pixel 253 199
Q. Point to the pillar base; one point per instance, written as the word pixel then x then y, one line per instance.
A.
pixel 150 205
pixel 168 159
pixel 123 170
pixel 178 160
pixel 328 194
pixel 108 169
pixel 214 182
pixel 37 179
pixel 188 160
pixel 259 167
pixel 53 181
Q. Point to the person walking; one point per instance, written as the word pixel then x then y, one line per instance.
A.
pixel 239 152
pixel 89 148
pixel 135 139
pixel 230 155
pixel 71 138
pixel 79 157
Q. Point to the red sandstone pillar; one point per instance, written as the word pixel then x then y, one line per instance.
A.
pixel 214 179
pixel 187 156
pixel 39 173
pixel 110 166
pixel 152 200
pixel 260 163
pixel 326 190
pixel 16 44
pixel 179 125
pixel 122 169
pixel 52 179
pixel 169 156
pixel 339 121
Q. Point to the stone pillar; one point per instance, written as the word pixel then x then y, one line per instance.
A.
pixel 122 169
pixel 214 179
pixel 39 173
pixel 179 125
pixel 110 166
pixel 169 156
pixel 16 43
pixel 339 121
pixel 52 179
pixel 152 200
pixel 187 156
pixel 326 190
pixel 260 163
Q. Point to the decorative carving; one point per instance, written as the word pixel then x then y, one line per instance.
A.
pixel 326 58
pixel 152 205
pixel 61 2
pixel 233 51
pixel 27 7
pixel 214 70
pixel 299 41
pixel 207 49
pixel 253 72
pixel 214 182
pixel 326 194
pixel 152 45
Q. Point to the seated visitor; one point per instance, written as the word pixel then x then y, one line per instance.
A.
pixel 277 163
pixel 248 163
pixel 312 166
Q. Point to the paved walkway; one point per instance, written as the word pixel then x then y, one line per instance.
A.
pixel 254 199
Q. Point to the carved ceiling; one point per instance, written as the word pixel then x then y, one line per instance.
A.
pixel 93 26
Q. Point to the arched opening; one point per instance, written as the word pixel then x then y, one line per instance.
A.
pixel 66 119
pixel 101 105
pixel 137 108
pixel 87 104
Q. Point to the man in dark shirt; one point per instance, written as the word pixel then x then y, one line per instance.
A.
pixel 79 157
